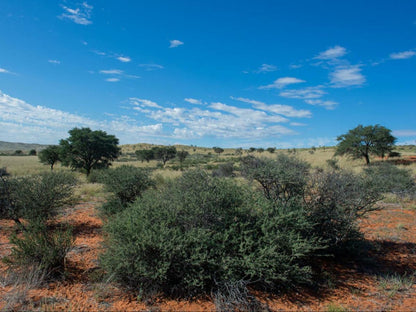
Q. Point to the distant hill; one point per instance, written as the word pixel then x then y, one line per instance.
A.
pixel 25 147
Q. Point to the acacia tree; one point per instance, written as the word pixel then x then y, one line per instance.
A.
pixel 164 153
pixel 182 156
pixel 87 149
pixel 363 141
pixel 50 155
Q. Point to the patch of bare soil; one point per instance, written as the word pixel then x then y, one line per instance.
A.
pixel 380 281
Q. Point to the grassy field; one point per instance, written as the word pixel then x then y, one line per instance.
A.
pixel 205 158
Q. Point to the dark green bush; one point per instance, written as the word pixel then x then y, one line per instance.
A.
pixel 39 196
pixel 126 183
pixel 224 170
pixel 388 178
pixel 282 179
pixel 42 245
pixel 335 200
pixel 199 232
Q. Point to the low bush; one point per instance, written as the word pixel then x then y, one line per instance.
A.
pixel 43 246
pixel 126 183
pixel 38 196
pixel 388 178
pixel 199 232
pixel 282 180
pixel 224 170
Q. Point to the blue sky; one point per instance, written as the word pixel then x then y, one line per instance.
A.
pixel 208 73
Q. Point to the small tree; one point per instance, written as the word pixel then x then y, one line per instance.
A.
pixel 164 153
pixel 182 156
pixel 32 152
pixel 50 155
pixel 363 141
pixel 145 155
pixel 218 150
pixel 271 150
pixel 87 149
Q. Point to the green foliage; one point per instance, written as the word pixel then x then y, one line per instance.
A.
pixel 199 232
pixel 87 149
pixel 224 170
pixel 281 180
pixel 182 155
pixel 43 246
pixel 39 196
pixel 363 141
pixel 127 183
pixel 251 149
pixel 271 150
pixel 18 153
pixel 164 153
pixel 335 202
pixel 388 178
pixel 145 155
pixel 260 150
pixel 50 155
pixel 32 152
pixel 218 150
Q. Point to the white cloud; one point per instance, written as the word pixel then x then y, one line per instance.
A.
pixel 150 67
pixel 306 93
pixel 124 59
pixel 81 15
pixel 402 55
pixel 54 61
pixel 23 122
pixel 4 71
pixel 143 103
pixel 404 133
pixel 264 68
pixel 347 76
pixel 193 101
pixel 175 43
pixel 111 72
pixel 282 83
pixel 332 53
pixel 284 110
pixel 112 79
pixel 327 104
pixel 295 66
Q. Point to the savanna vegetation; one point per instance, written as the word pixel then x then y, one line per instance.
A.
pixel 190 222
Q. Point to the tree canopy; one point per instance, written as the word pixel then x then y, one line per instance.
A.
pixel 87 149
pixel 363 141
pixel 50 155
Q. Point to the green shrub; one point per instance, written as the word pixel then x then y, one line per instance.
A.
pixel 282 179
pixel 199 232
pixel 224 170
pixel 42 245
pixel 335 202
pixel 388 178
pixel 39 196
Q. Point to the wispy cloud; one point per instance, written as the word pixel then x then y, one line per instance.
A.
pixel 80 15
pixel 175 43
pixel 284 110
pixel 282 83
pixel 54 61
pixel 404 133
pixel 113 79
pixel 4 71
pixel 193 101
pixel 332 53
pixel 143 103
pixel 23 122
pixel 116 72
pixel 306 93
pixel 402 55
pixel 265 68
pixel 150 67
pixel 347 76
pixel 327 104
pixel 124 59
pixel 111 72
